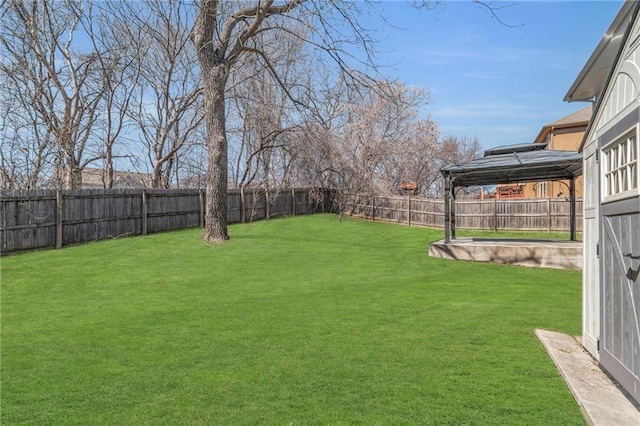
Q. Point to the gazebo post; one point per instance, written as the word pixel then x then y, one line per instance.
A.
pixel 447 196
pixel 572 208
pixel 453 211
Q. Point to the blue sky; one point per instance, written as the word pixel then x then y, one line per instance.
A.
pixel 497 83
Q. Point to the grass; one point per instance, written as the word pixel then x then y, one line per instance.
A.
pixel 297 321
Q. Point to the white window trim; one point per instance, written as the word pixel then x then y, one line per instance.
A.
pixel 606 161
pixel 541 189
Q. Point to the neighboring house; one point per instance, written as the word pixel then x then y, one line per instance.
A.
pixel 564 134
pixel 611 283
pixel 96 178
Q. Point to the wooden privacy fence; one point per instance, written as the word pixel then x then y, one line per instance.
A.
pixel 49 218
pixel 540 214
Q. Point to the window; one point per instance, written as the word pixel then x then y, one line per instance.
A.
pixel 620 167
pixel 542 190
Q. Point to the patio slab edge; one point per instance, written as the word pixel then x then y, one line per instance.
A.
pixel 599 399
pixel 533 253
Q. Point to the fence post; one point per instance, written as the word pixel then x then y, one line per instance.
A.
pixel 373 207
pixel 201 201
pixel 144 212
pixel 548 214
pixel 409 210
pixel 293 201
pixel 495 212
pixel 59 213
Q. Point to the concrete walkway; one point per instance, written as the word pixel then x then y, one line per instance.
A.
pixel 600 400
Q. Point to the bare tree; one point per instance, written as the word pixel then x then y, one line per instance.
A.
pixel 375 129
pixel 26 146
pixel 453 150
pixel 226 31
pixel 167 106
pixel 372 141
pixel 110 32
pixel 60 82
pixel 416 158
pixel 263 122
pixel 318 154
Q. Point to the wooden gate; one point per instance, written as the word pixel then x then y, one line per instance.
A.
pixel 620 320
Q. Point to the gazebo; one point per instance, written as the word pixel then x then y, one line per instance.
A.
pixel 508 165
pixel 511 164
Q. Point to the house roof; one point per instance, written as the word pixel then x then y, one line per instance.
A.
pixel 593 76
pixel 95 178
pixel 577 119
pixel 517 166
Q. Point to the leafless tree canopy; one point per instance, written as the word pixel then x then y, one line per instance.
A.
pixel 210 93
pixel 55 85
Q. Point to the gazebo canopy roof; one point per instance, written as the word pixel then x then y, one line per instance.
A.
pixel 510 149
pixel 516 164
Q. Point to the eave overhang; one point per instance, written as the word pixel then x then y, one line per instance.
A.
pixel 591 79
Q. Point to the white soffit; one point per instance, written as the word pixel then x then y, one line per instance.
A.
pixel 595 72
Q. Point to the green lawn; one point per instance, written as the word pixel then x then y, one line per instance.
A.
pixel 295 321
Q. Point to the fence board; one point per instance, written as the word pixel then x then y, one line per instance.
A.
pixel 29 219
pixel 526 214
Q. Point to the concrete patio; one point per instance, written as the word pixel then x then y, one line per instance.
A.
pixel 535 253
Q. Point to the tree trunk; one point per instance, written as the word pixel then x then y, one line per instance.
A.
pixel 214 79
pixel 72 171
pixel 109 177
pixel 156 176
pixel 73 176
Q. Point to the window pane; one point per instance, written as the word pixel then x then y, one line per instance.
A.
pixel 609 185
pixel 610 158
